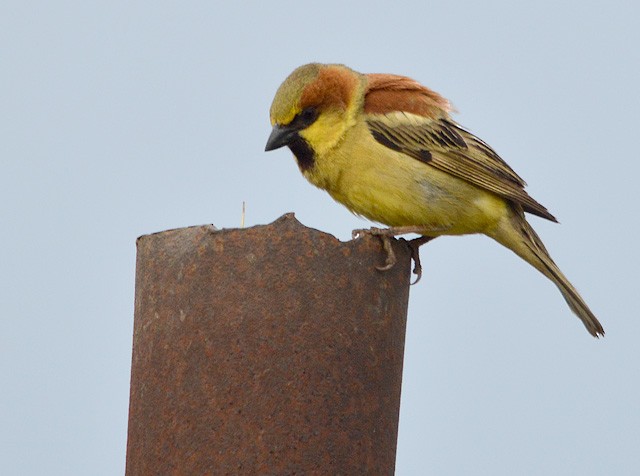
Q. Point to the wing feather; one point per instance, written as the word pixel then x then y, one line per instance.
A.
pixel 424 131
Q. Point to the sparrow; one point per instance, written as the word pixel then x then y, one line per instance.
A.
pixel 386 147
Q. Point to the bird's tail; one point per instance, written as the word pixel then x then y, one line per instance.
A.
pixel 516 234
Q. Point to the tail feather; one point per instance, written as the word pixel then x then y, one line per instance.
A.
pixel 516 234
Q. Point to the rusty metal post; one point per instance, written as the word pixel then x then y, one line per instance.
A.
pixel 275 349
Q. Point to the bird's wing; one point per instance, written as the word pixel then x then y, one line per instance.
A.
pixel 410 118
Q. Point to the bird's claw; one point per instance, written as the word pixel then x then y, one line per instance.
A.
pixel 390 261
pixel 373 231
pixel 414 246
pixel 385 235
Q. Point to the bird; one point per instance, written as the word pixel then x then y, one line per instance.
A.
pixel 385 146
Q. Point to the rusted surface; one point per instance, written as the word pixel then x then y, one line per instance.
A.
pixel 275 350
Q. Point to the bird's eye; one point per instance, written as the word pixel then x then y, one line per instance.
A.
pixel 306 117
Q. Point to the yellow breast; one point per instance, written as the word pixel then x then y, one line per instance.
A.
pixel 397 190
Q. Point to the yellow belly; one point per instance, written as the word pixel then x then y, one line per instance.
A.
pixel 397 190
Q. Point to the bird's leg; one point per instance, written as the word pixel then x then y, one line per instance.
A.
pixel 385 235
pixel 414 246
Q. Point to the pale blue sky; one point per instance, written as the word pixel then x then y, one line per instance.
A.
pixel 125 118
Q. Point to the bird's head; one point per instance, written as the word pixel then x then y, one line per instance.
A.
pixel 314 107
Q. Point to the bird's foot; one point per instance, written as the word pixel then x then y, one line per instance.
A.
pixel 385 235
pixel 414 246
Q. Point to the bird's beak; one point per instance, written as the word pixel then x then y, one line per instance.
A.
pixel 280 136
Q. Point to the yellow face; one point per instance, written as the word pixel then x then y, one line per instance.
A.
pixel 313 108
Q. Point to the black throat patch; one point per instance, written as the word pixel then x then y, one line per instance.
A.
pixel 304 154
